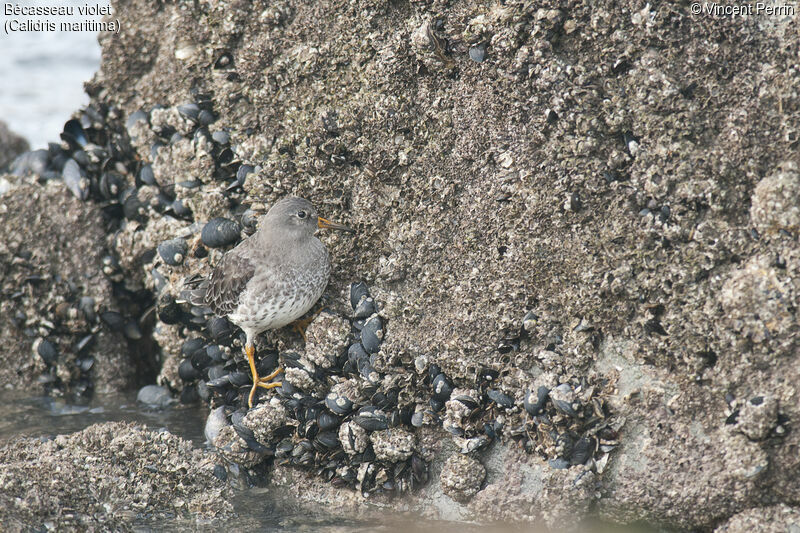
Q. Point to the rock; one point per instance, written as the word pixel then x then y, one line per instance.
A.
pixel 326 339
pixel 11 145
pixel 154 396
pixel 725 467
pixel 754 298
pixel 652 319
pixel 775 519
pixel 758 417
pixel 107 474
pixel 392 445
pixel 52 255
pixel 529 491
pixel 462 477
pixel 776 201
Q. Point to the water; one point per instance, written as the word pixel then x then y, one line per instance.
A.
pixel 42 73
pixel 43 416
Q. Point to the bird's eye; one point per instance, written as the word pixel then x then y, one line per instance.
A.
pixel 301 214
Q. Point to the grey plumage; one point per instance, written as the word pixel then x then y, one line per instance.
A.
pixel 270 279
pixel 275 276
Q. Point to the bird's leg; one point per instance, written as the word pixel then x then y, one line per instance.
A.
pixel 250 351
pixel 264 382
pixel 300 325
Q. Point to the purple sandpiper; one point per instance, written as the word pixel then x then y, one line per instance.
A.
pixel 272 278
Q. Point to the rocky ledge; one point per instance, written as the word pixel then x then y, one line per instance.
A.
pixel 574 288
pixel 108 477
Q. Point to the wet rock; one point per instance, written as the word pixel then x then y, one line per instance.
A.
pixel 758 417
pixel 11 145
pixel 154 396
pixel 462 477
pixel 326 339
pixel 102 469
pixel 392 445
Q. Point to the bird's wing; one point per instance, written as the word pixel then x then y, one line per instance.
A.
pixel 227 282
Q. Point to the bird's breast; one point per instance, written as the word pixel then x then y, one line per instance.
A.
pixel 281 292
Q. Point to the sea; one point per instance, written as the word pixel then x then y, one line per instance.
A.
pixel 43 69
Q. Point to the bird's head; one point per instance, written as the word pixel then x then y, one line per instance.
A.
pixel 297 217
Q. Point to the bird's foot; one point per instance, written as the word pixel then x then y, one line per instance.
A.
pixel 265 382
pixel 300 325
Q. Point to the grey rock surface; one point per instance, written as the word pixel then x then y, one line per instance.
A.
pixel 595 208
pixel 11 145
pixel 462 477
pixel 775 519
pixel 54 290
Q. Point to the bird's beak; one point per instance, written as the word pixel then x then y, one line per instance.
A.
pixel 322 223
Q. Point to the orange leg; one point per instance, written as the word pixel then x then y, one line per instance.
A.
pixel 250 351
pixel 300 325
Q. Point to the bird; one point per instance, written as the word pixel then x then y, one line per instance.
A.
pixel 272 278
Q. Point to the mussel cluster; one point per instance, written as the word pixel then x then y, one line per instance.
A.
pixel 567 424
pixel 346 416
pixel 126 167
pixel 96 162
